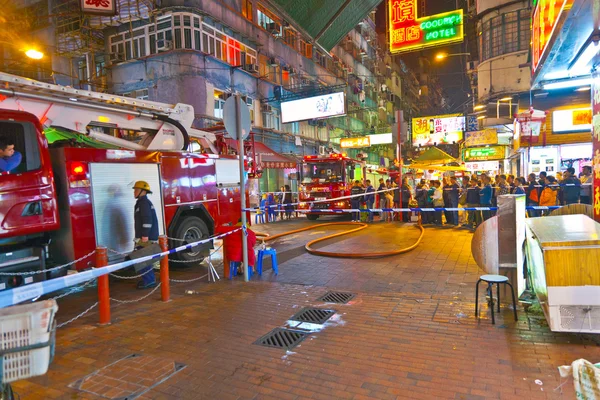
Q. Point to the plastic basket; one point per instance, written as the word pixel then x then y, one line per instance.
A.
pixel 26 340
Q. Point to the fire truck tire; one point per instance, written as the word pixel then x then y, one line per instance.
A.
pixel 191 229
pixel 312 217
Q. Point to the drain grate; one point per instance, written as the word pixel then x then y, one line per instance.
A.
pixel 281 338
pixel 313 315
pixel 336 297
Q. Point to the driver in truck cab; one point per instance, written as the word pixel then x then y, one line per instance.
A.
pixel 9 158
pixel 146 228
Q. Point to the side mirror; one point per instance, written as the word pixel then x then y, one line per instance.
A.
pixel 352 174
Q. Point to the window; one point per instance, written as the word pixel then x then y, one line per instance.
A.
pixel 290 36
pixel 220 98
pixel 293 128
pixel 268 20
pixel 271 119
pixel 506 33
pixel 247 9
pixel 24 137
pixel 179 31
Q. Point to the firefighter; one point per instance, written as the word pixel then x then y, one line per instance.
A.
pixel 146 228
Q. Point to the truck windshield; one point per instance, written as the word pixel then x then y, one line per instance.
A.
pixel 322 172
pixel 20 152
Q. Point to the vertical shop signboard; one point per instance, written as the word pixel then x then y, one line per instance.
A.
pixel 596 143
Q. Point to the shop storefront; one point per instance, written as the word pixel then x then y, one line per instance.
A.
pixel 490 160
pixel 553 159
pixel 564 53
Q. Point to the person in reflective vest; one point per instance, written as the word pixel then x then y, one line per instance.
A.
pixel 146 228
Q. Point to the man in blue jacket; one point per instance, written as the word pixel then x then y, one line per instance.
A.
pixel 146 228
pixel 369 198
pixel 486 196
pixel 9 158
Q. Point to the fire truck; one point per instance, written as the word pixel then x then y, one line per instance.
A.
pixel 81 153
pixel 327 176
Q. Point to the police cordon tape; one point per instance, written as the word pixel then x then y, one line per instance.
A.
pixel 377 210
pixel 34 290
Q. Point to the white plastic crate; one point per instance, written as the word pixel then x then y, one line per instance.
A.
pixel 22 326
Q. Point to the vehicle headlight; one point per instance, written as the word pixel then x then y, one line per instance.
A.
pixel 302 204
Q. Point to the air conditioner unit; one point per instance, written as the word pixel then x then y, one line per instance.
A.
pixel 274 28
pixel 266 108
pixel 116 58
pixel 164 45
pixel 253 68
pixel 321 150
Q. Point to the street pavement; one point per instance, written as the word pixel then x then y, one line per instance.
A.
pixel 409 332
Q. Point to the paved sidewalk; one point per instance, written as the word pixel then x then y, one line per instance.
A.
pixel 409 333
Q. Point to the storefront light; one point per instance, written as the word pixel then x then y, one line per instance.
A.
pixel 583 89
pixel 479 107
pixel 583 58
pixel 568 84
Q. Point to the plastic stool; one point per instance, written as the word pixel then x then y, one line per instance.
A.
pixel 497 279
pixel 259 216
pixel 233 268
pixel 259 260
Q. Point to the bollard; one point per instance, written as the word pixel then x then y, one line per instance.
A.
pixel 103 290
pixel 165 290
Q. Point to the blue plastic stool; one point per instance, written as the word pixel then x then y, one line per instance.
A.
pixel 233 268
pixel 259 260
pixel 260 217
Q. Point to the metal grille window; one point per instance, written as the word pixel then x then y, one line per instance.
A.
pixel 506 33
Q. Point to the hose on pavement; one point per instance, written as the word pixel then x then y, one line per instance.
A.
pixel 359 227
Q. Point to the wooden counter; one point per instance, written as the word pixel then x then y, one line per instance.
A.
pixel 563 258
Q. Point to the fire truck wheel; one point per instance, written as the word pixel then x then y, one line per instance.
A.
pixel 312 217
pixel 191 229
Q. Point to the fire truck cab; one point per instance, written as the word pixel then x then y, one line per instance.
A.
pixel 324 177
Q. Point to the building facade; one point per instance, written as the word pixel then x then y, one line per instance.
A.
pixel 202 52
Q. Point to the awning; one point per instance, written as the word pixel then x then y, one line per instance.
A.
pixel 438 167
pixel 265 156
pixel 327 22
pixel 433 156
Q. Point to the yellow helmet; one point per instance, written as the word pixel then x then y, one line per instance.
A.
pixel 142 185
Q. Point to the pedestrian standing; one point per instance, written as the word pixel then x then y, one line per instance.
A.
pixel 146 228
pixel 438 202
pixel 571 187
pixel 397 201
pixel 453 190
pixel 287 202
pixel 533 195
pixel 369 199
pixel 520 185
pixel 549 196
pixel 486 195
pixel 421 197
pixel 405 196
pixel 355 200
pixel 382 199
pixel 511 183
pixel 473 199
pixel 586 185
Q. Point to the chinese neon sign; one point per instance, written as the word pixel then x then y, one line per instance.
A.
pixel 484 153
pixel 544 21
pixel 408 32
pixel 437 129
pixel 102 7
pixel 355 142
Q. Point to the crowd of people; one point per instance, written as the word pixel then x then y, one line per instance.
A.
pixel 277 205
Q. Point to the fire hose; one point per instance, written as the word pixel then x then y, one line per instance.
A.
pixel 359 227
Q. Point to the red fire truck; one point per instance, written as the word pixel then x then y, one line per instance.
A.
pixel 66 198
pixel 327 177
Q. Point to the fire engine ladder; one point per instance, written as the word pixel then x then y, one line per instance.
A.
pixel 17 87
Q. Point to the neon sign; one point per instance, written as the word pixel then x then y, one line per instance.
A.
pixel 408 32
pixel 355 142
pixel 544 21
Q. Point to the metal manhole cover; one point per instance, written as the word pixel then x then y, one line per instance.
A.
pixel 336 297
pixel 313 315
pixel 282 338
pixel 128 378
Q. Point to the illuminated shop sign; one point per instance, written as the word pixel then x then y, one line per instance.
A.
pixel 408 32
pixel 578 120
pixel 482 166
pixel 355 142
pixel 545 18
pixel 328 105
pixel 484 153
pixel 437 129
